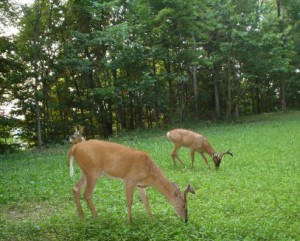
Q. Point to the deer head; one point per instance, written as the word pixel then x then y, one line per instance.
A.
pixel 218 158
pixel 186 191
pixel 77 136
pixel 181 202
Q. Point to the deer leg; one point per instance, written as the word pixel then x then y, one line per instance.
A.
pixel 174 155
pixel 179 159
pixel 129 197
pixel 88 193
pixel 205 159
pixel 76 191
pixel 193 157
pixel 143 196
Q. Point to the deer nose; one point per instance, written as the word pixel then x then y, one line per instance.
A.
pixel 186 220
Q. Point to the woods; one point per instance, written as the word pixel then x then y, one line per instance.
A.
pixel 121 65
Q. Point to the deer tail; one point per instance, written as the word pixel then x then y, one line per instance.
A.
pixel 71 162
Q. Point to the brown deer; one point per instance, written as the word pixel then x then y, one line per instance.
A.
pixel 136 168
pixel 196 142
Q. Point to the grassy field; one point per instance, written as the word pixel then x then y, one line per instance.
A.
pixel 254 196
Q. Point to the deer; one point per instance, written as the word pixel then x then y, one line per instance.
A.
pixel 77 136
pixel 196 142
pixel 134 167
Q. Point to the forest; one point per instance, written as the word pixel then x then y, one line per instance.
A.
pixel 119 65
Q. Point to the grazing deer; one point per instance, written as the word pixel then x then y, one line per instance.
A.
pixel 196 142
pixel 96 158
pixel 77 136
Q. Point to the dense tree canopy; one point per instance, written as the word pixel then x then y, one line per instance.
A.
pixel 120 65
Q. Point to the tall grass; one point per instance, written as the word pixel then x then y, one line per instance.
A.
pixel 253 196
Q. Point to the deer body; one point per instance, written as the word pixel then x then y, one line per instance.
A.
pixel 196 142
pixel 136 168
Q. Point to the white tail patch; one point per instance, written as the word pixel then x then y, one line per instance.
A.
pixel 71 166
pixel 168 136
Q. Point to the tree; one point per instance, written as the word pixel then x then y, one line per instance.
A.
pixel 121 65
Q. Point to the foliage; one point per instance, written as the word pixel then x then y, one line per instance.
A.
pixel 121 65
pixel 253 196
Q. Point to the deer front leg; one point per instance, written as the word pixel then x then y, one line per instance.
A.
pixel 143 196
pixel 192 156
pixel 76 191
pixel 205 159
pixel 174 155
pixel 129 197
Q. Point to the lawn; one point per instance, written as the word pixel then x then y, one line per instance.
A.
pixel 254 195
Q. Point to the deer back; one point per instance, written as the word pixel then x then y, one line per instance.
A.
pixel 112 159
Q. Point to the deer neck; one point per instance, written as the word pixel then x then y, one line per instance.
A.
pixel 162 184
pixel 209 150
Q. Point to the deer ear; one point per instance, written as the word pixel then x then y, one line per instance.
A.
pixel 176 191
pixel 81 129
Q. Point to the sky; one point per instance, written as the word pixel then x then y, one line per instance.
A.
pixel 9 30
pixel 25 1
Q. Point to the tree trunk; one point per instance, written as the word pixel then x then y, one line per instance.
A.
pixel 278 8
pixel 229 104
pixel 282 92
pixel 216 94
pixel 171 90
pixel 196 89
pixel 38 120
pixel 35 66
pixel 281 75
pixel 237 110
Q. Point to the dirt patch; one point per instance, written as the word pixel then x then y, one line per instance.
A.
pixel 33 212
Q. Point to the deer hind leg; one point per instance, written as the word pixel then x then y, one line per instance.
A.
pixel 174 155
pixel 205 159
pixel 143 196
pixel 76 191
pixel 88 193
pixel 129 186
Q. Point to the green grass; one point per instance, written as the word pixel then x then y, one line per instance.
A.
pixel 254 196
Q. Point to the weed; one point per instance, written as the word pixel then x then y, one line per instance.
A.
pixel 253 196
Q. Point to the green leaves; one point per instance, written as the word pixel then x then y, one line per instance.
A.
pixel 147 63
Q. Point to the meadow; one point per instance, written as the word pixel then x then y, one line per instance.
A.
pixel 254 195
